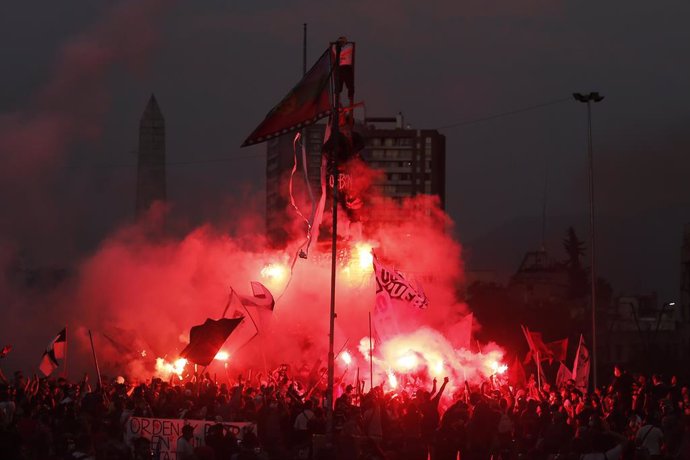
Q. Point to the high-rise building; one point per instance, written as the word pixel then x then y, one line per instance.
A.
pixel 411 162
pixel 151 186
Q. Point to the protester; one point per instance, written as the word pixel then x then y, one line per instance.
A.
pixel 48 418
pixel 185 448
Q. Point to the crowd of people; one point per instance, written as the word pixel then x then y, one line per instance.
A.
pixel 634 417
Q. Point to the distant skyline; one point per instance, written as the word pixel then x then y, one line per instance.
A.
pixel 77 79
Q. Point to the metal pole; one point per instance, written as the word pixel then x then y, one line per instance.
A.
pixel 304 49
pixel 64 369
pixel 371 357
pixel 335 133
pixel 95 361
pixel 592 242
pixel 538 372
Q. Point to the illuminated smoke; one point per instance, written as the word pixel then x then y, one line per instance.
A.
pixel 165 369
pixel 222 356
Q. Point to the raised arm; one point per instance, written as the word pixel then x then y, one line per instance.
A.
pixel 438 395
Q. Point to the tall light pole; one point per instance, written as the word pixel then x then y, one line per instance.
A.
pixel 588 99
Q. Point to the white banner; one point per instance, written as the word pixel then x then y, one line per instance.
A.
pixel 581 366
pixel 392 286
pixel 164 432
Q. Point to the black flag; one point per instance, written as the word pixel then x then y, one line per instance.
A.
pixel 206 339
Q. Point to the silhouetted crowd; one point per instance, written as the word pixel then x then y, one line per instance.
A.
pixel 634 417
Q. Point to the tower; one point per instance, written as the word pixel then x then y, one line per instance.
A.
pixel 151 185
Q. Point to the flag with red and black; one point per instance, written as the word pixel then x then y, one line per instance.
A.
pixel 308 102
pixel 54 351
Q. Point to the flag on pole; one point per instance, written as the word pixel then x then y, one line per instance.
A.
pixel 563 375
pixel 305 104
pixel 534 342
pixel 394 294
pixel 556 350
pixel 261 297
pixel 516 373
pixel 581 366
pixel 536 349
pixel 206 339
pixel 54 351
pixel 395 289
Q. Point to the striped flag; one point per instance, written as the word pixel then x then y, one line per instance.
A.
pixel 54 351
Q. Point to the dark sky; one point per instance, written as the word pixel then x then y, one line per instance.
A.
pixel 217 67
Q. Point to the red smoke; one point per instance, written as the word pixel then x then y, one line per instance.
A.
pixel 143 296
pixel 140 297
pixel 66 111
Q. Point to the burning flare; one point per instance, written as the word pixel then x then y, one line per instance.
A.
pixel 222 356
pixel 415 359
pixel 165 369
pixel 275 273
pixel 497 367
pixel 365 257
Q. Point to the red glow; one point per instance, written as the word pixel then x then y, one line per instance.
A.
pixel 165 369
pixel 222 356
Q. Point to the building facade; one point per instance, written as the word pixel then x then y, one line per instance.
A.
pixel 410 162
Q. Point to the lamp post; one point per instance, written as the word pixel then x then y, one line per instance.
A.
pixel 662 310
pixel 588 99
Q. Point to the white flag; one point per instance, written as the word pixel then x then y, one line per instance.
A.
pixel 581 366
pixel 394 294
pixel 392 285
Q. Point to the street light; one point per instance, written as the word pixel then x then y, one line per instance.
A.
pixel 661 313
pixel 588 99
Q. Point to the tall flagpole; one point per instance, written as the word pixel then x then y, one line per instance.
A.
pixel 64 364
pixel 304 49
pixel 371 357
pixel 95 360
pixel 335 135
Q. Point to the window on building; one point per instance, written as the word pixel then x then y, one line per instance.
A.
pixel 405 155
pixel 388 142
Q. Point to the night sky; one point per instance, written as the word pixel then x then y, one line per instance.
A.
pixel 77 75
